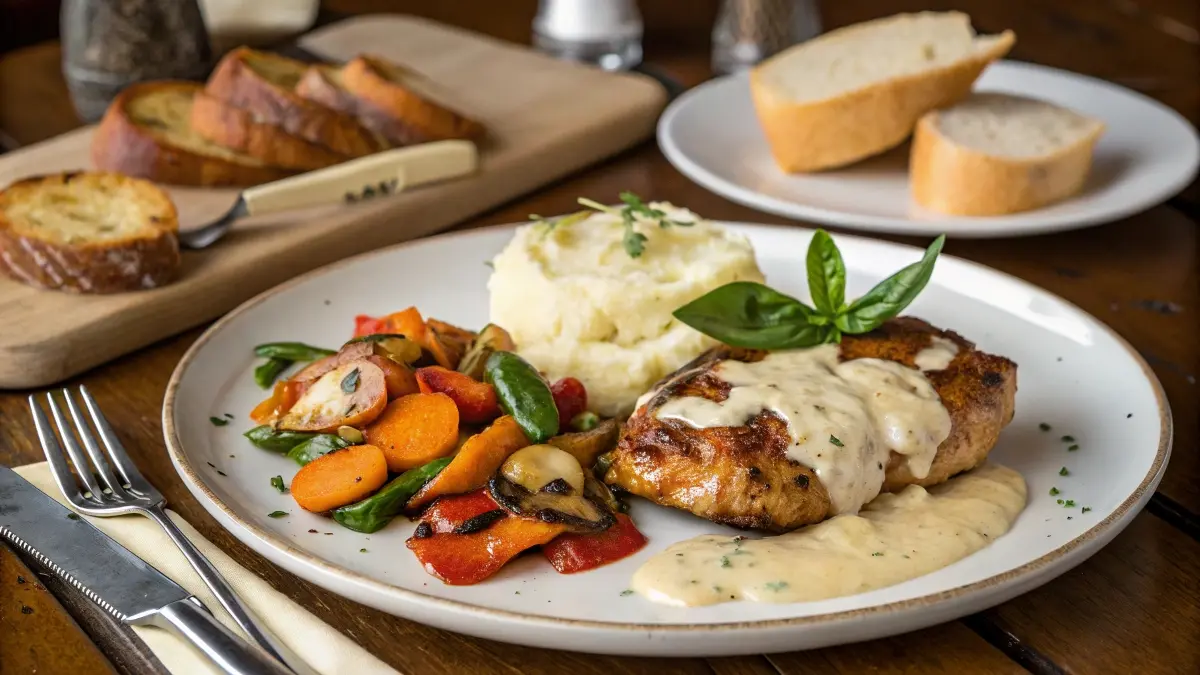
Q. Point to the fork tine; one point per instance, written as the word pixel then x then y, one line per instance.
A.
pixel 93 450
pixel 55 456
pixel 116 451
pixel 83 468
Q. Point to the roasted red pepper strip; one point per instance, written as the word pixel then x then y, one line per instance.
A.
pixel 464 559
pixel 571 553
pixel 368 325
pixel 476 401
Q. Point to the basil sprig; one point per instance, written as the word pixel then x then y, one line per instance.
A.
pixel 750 315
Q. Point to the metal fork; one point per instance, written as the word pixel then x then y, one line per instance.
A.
pixel 112 486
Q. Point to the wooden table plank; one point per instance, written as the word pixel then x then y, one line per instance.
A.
pixel 25 603
pixel 1132 608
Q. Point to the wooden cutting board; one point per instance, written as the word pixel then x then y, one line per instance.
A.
pixel 546 118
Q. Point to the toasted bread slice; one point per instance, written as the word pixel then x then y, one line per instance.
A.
pixel 406 95
pixel 146 132
pixel 88 233
pixel 859 90
pixel 237 129
pixel 994 154
pixel 323 84
pixel 265 85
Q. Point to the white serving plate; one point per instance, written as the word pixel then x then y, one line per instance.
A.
pixel 1074 373
pixel 1147 154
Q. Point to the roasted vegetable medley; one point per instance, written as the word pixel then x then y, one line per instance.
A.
pixel 450 427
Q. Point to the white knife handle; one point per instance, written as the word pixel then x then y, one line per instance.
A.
pixel 226 651
pixel 375 175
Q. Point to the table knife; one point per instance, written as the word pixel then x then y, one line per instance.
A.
pixel 378 175
pixel 121 583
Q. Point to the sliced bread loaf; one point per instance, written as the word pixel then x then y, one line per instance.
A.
pixel 408 96
pixel 859 90
pixel 993 154
pixel 323 84
pixel 239 130
pixel 146 132
pixel 88 233
pixel 265 85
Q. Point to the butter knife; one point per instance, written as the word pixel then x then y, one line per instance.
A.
pixel 121 583
pixel 378 175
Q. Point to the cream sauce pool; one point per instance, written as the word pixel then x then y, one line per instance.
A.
pixel 844 418
pixel 894 538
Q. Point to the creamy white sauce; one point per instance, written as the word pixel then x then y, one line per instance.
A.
pixel 844 419
pixel 938 355
pixel 897 537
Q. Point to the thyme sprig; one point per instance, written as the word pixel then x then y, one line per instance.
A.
pixel 634 242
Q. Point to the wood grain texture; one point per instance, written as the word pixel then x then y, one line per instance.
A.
pixel 545 118
pixel 36 631
pixel 1125 610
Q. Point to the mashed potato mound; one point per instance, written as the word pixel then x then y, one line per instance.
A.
pixel 578 305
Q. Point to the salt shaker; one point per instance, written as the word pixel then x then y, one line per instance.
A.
pixel 605 33
pixel 110 44
pixel 748 31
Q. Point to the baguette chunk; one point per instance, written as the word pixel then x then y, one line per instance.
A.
pixel 859 90
pixel 994 154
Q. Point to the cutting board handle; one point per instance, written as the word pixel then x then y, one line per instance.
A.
pixel 375 175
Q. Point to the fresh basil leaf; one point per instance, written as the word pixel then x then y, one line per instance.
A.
pixel 292 351
pixel 890 296
pixel 754 316
pixel 826 274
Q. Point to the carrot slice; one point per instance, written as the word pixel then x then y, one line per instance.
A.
pixel 475 463
pixel 415 429
pixel 408 323
pixel 476 400
pixel 339 478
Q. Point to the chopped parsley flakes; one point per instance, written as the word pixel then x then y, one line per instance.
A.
pixel 837 441
pixel 1054 492
pixel 1063 472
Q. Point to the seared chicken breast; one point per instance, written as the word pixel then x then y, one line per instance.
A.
pixel 742 475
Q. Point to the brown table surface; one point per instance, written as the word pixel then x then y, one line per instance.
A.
pixel 1133 607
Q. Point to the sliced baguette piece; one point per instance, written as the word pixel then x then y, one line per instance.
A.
pixel 406 95
pixel 239 130
pixel 146 132
pixel 993 154
pixel 265 85
pixel 88 232
pixel 323 84
pixel 859 90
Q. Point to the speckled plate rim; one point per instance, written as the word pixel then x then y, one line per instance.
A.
pixel 938 607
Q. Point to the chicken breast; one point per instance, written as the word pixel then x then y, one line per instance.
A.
pixel 742 475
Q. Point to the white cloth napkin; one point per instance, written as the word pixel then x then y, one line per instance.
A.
pixel 325 649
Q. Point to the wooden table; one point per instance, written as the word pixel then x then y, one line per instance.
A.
pixel 1134 607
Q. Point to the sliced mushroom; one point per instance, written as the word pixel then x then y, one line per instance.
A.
pixel 395 347
pixel 350 395
pixel 536 466
pixel 546 483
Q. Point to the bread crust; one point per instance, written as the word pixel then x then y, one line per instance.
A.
pixel 239 85
pixel 951 178
pixel 826 134
pixel 144 260
pixel 122 145
pixel 364 77
pixel 236 129
pixel 316 86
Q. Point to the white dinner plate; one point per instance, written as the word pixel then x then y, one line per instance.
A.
pixel 1074 374
pixel 1147 153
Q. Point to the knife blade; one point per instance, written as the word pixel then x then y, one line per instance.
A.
pixel 124 585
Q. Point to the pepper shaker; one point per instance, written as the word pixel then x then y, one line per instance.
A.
pixel 110 44
pixel 748 31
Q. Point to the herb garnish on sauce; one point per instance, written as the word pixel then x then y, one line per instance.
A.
pixel 750 315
